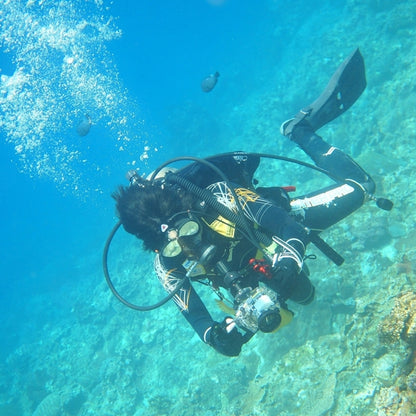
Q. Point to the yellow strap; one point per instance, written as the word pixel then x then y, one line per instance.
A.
pixel 222 226
pixel 224 307
pixel 286 316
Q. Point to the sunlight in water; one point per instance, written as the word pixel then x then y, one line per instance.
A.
pixel 61 70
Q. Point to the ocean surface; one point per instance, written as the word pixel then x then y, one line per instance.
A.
pixel 90 89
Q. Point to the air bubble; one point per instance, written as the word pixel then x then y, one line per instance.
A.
pixel 62 71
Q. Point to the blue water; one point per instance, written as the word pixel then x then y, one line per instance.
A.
pixel 135 67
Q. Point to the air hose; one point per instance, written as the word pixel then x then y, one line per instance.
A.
pixel 256 237
pixel 207 196
pixel 114 290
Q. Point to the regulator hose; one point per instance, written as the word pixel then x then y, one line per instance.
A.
pixel 206 195
pixel 114 290
pixel 237 218
pixel 256 237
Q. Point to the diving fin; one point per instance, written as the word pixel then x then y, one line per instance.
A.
pixel 343 89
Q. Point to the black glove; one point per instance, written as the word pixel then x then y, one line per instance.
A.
pixel 288 267
pixel 284 273
pixel 225 338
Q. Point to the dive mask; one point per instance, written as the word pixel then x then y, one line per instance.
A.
pixel 185 235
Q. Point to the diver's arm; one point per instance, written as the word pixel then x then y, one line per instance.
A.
pixel 223 338
pixel 271 217
pixel 287 233
pixel 196 313
pixel 186 298
pixel 274 220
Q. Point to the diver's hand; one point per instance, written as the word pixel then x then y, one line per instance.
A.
pixel 284 270
pixel 287 267
pixel 284 277
pixel 225 338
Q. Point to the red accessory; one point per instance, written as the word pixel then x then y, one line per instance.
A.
pixel 260 266
pixel 289 188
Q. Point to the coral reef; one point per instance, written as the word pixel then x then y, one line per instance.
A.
pixel 390 402
pixel 51 405
pixel 401 322
pixel 405 265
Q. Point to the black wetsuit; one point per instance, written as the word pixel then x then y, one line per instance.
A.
pixel 315 211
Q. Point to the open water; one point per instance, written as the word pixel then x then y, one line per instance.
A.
pixel 90 89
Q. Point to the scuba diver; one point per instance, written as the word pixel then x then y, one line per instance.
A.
pixel 208 222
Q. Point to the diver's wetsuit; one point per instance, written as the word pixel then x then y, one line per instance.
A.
pixel 321 209
pixel 315 211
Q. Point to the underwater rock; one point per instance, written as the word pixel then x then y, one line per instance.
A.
pixel 390 401
pixel 346 307
pixel 74 401
pixel 209 82
pixel 387 368
pixel 51 405
pixel 376 235
pixel 411 380
pixel 405 266
pixel 397 229
pixel 84 126
pixel 401 323
pixel 67 401
pixel 324 400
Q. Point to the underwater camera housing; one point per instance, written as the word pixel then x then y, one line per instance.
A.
pixel 255 309
pixel 260 310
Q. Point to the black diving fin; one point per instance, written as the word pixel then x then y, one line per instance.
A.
pixel 343 89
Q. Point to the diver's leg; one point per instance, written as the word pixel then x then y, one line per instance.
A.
pixel 325 207
pixel 343 89
pixel 339 165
